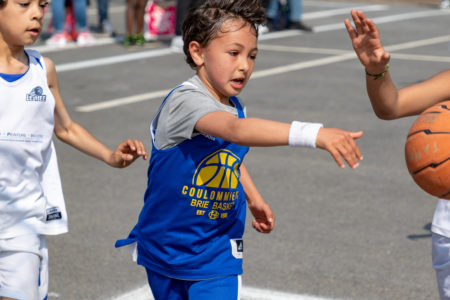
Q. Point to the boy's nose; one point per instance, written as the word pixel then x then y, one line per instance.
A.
pixel 243 64
pixel 37 12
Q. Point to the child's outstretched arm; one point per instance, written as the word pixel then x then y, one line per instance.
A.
pixel 259 132
pixel 264 220
pixel 389 103
pixel 75 135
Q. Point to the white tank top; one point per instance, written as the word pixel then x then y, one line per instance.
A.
pixel 441 218
pixel 31 199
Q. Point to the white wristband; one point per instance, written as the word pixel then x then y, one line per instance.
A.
pixel 304 134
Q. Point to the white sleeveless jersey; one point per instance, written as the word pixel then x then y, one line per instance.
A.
pixel 31 199
pixel 441 218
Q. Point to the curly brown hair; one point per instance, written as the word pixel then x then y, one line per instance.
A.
pixel 203 23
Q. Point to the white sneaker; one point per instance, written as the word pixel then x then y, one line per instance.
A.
pixel 57 40
pixel 445 4
pixel 106 27
pixel 84 38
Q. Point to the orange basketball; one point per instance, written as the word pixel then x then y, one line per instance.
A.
pixel 427 150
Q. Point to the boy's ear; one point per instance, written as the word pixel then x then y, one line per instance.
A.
pixel 196 52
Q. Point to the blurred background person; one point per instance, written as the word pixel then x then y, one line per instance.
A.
pixel 104 25
pixel 60 36
pixel 182 8
pixel 134 17
pixel 285 14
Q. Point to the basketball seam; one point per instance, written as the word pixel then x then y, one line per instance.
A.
pixel 427 132
pixel 431 165
pixel 445 195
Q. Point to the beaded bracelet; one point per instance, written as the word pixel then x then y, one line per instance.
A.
pixel 378 76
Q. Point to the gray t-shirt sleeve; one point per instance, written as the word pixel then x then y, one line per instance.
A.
pixel 184 107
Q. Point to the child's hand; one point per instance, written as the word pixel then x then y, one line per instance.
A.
pixel 340 143
pixel 126 153
pixel 366 42
pixel 264 219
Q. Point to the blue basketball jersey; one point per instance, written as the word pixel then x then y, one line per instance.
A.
pixel 193 218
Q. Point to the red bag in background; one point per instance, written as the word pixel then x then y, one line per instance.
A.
pixel 160 19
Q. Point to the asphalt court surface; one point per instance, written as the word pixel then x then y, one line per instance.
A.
pixel 339 234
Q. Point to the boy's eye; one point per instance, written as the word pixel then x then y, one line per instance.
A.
pixel 24 4
pixel 43 4
pixel 233 53
pixel 253 57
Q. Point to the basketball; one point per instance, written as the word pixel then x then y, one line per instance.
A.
pixel 427 150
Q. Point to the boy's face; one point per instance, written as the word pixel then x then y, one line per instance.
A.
pixel 226 63
pixel 21 21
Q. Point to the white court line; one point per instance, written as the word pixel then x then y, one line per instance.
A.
pixel 247 293
pixel 112 60
pixel 421 57
pixel 279 34
pixel 303 65
pixel 342 11
pixel 403 56
pixel 419 43
pixel 250 293
pixel 315 3
pixel 388 19
pixel 122 101
pixel 323 28
pixel 264 73
pixel 293 49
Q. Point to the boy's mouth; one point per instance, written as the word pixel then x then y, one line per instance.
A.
pixel 240 80
pixel 35 30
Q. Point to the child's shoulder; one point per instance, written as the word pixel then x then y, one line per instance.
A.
pixel 193 84
pixel 33 53
pixel 190 89
pixel 36 57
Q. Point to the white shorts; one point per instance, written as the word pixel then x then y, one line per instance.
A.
pixel 441 263
pixel 24 267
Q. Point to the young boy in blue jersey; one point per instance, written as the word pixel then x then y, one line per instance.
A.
pixel 31 110
pixel 390 103
pixel 189 232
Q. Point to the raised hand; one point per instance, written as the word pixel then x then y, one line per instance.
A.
pixel 366 43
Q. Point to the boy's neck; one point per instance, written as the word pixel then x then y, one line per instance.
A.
pixel 13 59
pixel 225 101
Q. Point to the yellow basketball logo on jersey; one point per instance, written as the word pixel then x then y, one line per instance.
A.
pixel 218 170
pixel 214 190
